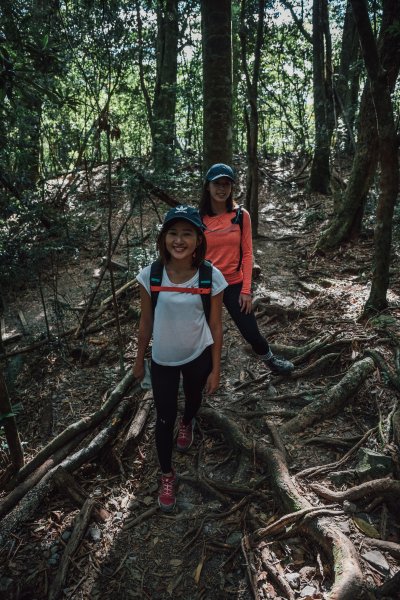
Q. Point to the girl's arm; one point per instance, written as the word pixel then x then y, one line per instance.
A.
pixel 215 324
pixel 145 331
pixel 247 264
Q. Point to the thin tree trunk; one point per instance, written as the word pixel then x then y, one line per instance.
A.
pixel 10 427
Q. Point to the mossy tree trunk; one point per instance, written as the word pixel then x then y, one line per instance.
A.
pixel 346 223
pixel 217 81
pixel 388 148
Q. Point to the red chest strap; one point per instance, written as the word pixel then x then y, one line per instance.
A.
pixel 164 288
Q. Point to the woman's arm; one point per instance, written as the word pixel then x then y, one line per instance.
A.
pixel 145 331
pixel 245 300
pixel 215 324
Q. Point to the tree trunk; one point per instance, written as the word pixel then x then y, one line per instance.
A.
pixel 388 148
pixel 217 81
pixel 164 104
pixel 252 120
pixel 346 223
pixel 323 102
pixel 10 427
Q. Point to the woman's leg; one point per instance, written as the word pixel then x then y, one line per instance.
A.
pixel 165 383
pixel 194 375
pixel 247 324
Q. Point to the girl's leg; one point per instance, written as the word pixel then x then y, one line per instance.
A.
pixel 194 375
pixel 165 382
pixel 247 324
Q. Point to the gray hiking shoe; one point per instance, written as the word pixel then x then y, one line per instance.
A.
pixel 280 366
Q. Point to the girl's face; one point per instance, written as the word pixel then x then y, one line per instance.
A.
pixel 181 240
pixel 220 190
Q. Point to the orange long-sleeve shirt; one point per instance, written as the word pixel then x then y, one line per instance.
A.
pixel 223 247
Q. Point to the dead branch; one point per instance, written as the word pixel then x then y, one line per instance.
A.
pixel 334 400
pixel 138 423
pixel 10 427
pixel 382 487
pixel 285 521
pixel 32 500
pixel 320 366
pixel 273 572
pixel 81 524
pixel 83 425
pixel 68 485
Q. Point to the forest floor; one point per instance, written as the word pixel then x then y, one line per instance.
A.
pixel 207 548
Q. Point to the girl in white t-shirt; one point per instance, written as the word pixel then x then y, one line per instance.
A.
pixel 183 342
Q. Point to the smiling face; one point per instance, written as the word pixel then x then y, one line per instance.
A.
pixel 220 190
pixel 181 240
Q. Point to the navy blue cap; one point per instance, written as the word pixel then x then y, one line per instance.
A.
pixel 220 170
pixel 187 213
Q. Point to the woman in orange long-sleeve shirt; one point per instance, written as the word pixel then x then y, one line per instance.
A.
pixel 230 249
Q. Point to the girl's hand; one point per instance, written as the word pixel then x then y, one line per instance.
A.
pixel 245 303
pixel 212 383
pixel 138 370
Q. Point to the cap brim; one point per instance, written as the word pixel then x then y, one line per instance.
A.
pixel 221 176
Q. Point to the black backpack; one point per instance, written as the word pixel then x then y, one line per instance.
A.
pixel 204 289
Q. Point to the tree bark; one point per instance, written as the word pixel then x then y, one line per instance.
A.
pixel 346 223
pixel 164 103
pixel 10 427
pixel 323 99
pixel 252 120
pixel 217 81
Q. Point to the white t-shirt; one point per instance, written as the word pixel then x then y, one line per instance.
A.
pixel 180 329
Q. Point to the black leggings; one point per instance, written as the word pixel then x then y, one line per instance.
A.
pixel 165 383
pixel 247 324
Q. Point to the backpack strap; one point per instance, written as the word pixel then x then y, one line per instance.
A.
pixel 156 272
pixel 205 283
pixel 238 220
pixel 204 288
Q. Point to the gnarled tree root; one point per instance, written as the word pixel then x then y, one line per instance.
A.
pixel 334 400
pixel 348 577
pixel 377 487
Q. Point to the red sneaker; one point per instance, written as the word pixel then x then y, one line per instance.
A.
pixel 166 494
pixel 185 436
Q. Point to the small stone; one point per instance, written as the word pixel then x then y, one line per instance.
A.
pixel 344 526
pixel 95 534
pixel 118 516
pixel 309 590
pixel 293 580
pixel 377 560
pixel 349 507
pixel 65 535
pixel 54 549
pixel 234 538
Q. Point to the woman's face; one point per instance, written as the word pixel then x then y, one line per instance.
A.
pixel 181 240
pixel 220 189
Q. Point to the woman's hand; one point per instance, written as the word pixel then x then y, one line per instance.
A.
pixel 138 370
pixel 245 303
pixel 212 383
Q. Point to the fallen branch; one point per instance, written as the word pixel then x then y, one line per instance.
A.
pixel 33 499
pixel 334 400
pixel 83 425
pixel 68 485
pixel 138 423
pixel 81 524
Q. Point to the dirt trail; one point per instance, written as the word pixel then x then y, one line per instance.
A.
pixel 198 552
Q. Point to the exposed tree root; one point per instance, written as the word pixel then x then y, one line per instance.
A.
pixel 294 351
pixel 334 400
pixel 391 547
pixel 312 471
pixel 381 487
pixel 348 577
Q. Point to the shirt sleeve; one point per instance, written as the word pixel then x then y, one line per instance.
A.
pixel 144 278
pixel 218 282
pixel 247 253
